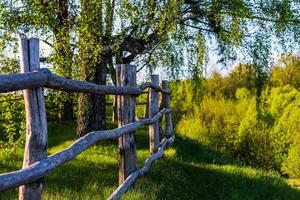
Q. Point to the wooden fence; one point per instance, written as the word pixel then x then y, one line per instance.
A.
pixel 37 164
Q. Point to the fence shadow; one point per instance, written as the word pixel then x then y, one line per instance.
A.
pixel 204 173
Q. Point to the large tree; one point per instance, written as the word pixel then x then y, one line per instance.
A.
pixel 92 66
pixel 170 33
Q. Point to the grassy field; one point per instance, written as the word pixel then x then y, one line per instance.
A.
pixel 188 171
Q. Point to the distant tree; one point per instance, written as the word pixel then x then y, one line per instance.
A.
pixel 215 83
pixel 241 76
pixel 287 71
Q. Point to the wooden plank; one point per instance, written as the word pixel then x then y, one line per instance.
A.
pixel 117 194
pixel 36 123
pixel 126 77
pixel 43 167
pixel 167 105
pixel 153 109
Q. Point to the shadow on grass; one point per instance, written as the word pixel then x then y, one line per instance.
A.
pixel 197 172
pixel 82 177
pixel 190 150
pixel 188 171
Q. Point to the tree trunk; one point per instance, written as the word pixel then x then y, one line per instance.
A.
pixel 63 58
pixel 84 114
pixel 68 110
pixel 91 108
pixel 99 101
pixel 93 67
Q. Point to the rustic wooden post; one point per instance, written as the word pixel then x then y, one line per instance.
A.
pixel 147 106
pixel 167 105
pixel 126 77
pixel 153 109
pixel 114 113
pixel 36 123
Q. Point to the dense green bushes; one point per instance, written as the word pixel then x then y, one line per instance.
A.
pixel 266 135
pixel 285 108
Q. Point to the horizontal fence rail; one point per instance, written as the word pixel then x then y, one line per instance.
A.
pixel 45 78
pixel 46 165
pixel 37 165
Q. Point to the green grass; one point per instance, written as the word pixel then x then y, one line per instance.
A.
pixel 188 171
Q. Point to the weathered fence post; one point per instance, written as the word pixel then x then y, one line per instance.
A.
pixel 126 77
pixel 36 123
pixel 167 105
pixel 153 109
pixel 115 112
pixel 147 105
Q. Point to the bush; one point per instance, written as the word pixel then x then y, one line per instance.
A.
pixel 285 133
pixel 267 139
pixel 12 131
pixel 280 98
pixel 291 165
pixel 213 123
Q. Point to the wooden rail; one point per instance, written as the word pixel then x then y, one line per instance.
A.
pixel 41 168
pixel 37 164
pixel 45 78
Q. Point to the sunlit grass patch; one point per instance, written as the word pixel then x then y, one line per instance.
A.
pixel 188 170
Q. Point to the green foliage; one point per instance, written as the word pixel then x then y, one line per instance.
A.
pixel 286 129
pixel 287 71
pixel 87 36
pixel 291 165
pixel 241 76
pixel 280 98
pixel 12 118
pixel 267 138
pixel 211 123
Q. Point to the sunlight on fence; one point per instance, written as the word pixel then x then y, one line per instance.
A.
pixel 37 164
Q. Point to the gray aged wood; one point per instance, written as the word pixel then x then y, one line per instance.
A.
pixel 43 167
pixel 153 109
pixel 167 105
pixel 20 81
pixel 36 123
pixel 44 78
pixel 126 77
pixel 115 109
pixel 147 105
pixel 117 194
pixel 154 86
